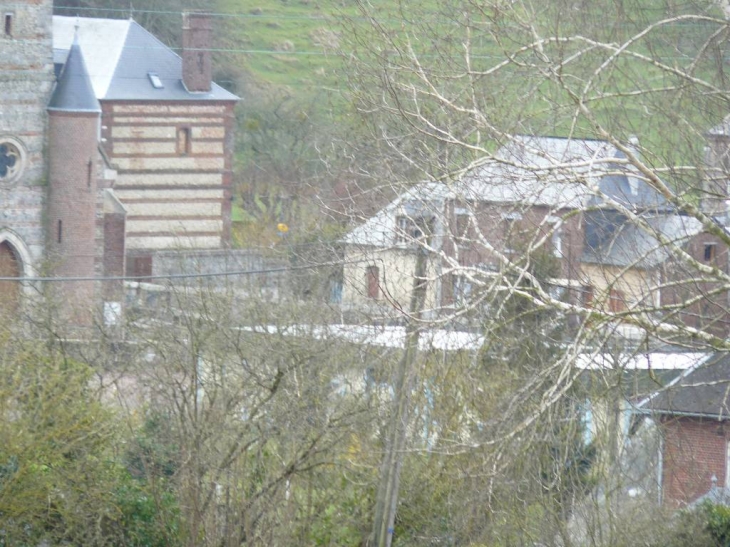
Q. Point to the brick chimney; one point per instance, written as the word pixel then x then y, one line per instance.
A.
pixel 197 69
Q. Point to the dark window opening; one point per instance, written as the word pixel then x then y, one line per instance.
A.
pixel 710 251
pixel 90 168
pixel 372 278
pixel 462 290
pixel 8 24
pixel 510 230
pixel 588 296
pixel 142 266
pixel 60 231
pixel 616 301
pixel 462 225
pixel 413 229
pixel 183 141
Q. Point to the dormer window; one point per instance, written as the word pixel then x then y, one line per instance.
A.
pixel 155 80
pixel 412 229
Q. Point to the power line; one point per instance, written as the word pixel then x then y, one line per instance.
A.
pixel 237 14
pixel 138 278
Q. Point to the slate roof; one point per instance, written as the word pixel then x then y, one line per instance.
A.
pixel 120 54
pixel 556 172
pixel 380 229
pixel 73 92
pixel 625 186
pixel 633 245
pixel 702 391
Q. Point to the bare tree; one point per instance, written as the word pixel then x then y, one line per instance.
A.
pixel 593 134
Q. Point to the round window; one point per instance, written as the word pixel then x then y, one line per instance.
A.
pixel 12 160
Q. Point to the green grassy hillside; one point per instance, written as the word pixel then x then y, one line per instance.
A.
pixel 286 43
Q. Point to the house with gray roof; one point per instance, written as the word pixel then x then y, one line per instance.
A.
pixel 574 200
pixel 693 412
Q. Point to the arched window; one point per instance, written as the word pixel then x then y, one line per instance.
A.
pixel 10 267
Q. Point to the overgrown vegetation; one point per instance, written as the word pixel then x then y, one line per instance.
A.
pixel 240 426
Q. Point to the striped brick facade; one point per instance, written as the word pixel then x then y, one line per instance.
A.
pixel 174 166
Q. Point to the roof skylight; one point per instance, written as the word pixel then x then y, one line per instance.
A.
pixel 155 80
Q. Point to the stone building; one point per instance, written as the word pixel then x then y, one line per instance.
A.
pixel 112 148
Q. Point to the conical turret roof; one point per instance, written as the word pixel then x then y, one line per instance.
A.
pixel 73 92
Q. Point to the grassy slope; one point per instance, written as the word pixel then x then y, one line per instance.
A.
pixel 280 42
pixel 284 43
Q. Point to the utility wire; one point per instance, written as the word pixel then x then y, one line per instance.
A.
pixel 237 14
pixel 182 276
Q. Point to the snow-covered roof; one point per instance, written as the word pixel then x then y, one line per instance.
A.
pixel 641 361
pixel 381 336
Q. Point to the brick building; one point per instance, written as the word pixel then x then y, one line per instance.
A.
pixel 565 198
pixel 112 148
pixel 694 416
pixel 575 200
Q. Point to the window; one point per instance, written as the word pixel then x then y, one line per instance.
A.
pixel 616 301
pixel 587 296
pixel 462 225
pixel 372 281
pixel 558 292
pixel 8 24
pixel 59 235
pixel 556 235
pixel 462 290
pixel 510 225
pixel 710 252
pixel 183 141
pixel 410 229
pixel 11 161
pixel 142 266
pixel 402 229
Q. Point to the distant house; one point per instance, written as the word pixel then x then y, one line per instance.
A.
pixel 569 199
pixel 694 416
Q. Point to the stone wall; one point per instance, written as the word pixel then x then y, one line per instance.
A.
pixel 26 78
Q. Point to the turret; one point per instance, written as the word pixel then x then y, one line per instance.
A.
pixel 73 139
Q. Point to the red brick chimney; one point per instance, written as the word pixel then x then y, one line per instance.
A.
pixel 197 69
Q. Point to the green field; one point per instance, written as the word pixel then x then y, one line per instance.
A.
pixel 293 44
